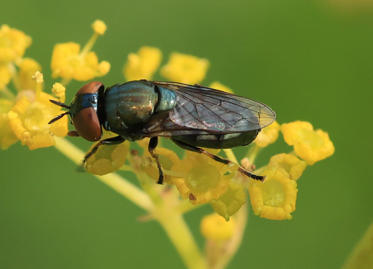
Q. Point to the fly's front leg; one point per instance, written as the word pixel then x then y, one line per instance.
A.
pixel 217 158
pixel 109 141
pixel 151 147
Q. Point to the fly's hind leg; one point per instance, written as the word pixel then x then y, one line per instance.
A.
pixel 216 158
pixel 151 147
pixel 109 141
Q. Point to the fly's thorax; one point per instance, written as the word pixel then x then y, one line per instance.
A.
pixel 129 106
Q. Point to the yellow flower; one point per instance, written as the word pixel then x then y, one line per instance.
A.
pixel 29 119
pixel 143 64
pixel 231 201
pixel 7 137
pixel 185 68
pixel 69 63
pixel 216 228
pixel 268 135
pixel 27 68
pixel 205 179
pixel 221 87
pixel 99 27
pixel 290 163
pixel 5 75
pixel 312 146
pixel 107 159
pixel 13 43
pixel 275 198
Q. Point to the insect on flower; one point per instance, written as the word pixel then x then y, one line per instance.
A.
pixel 192 116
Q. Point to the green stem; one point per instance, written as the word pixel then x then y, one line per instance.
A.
pixel 181 237
pixel 362 255
pixel 231 247
pixel 114 181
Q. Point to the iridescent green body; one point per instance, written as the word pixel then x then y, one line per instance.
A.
pixel 132 105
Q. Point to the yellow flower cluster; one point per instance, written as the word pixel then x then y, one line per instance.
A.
pixel 69 62
pixel 25 109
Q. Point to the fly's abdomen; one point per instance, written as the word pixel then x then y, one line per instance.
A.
pixel 218 141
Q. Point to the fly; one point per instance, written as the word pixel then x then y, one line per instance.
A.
pixel 192 116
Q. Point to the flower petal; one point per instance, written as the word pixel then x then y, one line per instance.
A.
pixel 185 68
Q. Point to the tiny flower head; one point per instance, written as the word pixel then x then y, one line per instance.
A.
pixel 69 63
pixel 309 144
pixel 216 228
pixel 205 179
pixel 231 201
pixel 221 87
pixel 107 159
pixel 143 64
pixel 185 68
pixel 274 198
pixel 59 90
pixel 27 68
pixel 13 43
pixel 99 27
pixel 5 75
pixel 268 135
pixel 29 119
pixel 7 137
pixel 290 163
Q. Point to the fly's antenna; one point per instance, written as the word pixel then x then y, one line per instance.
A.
pixel 59 104
pixel 61 115
pixel 58 117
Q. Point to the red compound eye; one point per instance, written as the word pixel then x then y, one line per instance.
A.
pixel 86 120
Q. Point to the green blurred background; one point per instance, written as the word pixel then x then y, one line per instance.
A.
pixel 308 60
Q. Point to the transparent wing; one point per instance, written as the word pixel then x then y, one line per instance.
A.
pixel 205 109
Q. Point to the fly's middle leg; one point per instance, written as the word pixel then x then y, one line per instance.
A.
pixel 151 147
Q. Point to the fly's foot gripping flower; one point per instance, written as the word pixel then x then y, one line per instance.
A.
pixel 185 68
pixel 275 198
pixel 168 161
pixel 143 64
pixel 107 159
pixel 268 135
pixel 13 44
pixel 69 63
pixel 204 180
pixel 309 144
pixel 216 228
